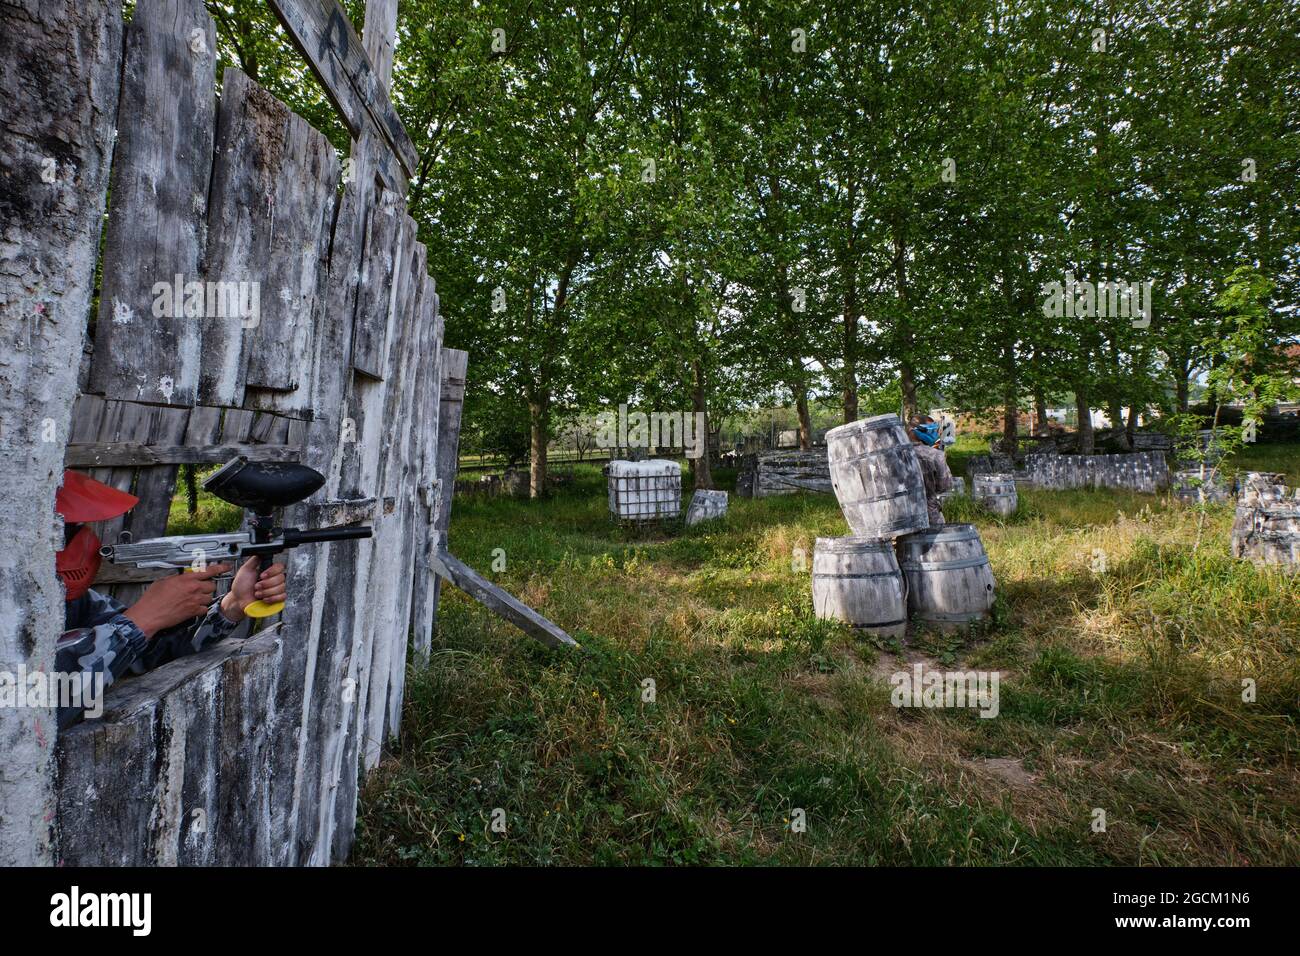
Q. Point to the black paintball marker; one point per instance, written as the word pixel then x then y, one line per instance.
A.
pixel 259 487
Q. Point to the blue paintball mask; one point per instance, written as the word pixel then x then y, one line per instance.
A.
pixel 928 433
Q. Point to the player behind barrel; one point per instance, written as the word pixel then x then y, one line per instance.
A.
pixel 175 616
pixel 925 433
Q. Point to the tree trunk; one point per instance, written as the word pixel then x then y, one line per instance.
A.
pixel 1085 421
pixel 1010 426
pixel 906 373
pixel 805 420
pixel 1040 411
pixel 907 381
pixel 1131 425
pixel 538 408
pixel 850 321
pixel 1182 366
pixel 1010 400
pixel 700 467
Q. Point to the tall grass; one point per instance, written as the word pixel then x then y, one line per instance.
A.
pixel 1121 691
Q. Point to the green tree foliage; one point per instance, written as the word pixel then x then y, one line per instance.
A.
pixel 694 205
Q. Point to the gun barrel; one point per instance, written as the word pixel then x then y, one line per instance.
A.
pixel 292 537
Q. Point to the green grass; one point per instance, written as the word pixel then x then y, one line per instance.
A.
pixel 1120 690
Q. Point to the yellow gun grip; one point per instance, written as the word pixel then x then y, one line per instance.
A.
pixel 262 609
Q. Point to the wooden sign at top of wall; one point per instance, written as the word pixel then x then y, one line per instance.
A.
pixel 321 31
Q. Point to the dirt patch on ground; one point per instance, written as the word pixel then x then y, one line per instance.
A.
pixel 1009 770
pixel 888 664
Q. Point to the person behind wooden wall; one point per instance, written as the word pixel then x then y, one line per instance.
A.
pixel 925 434
pixel 175 617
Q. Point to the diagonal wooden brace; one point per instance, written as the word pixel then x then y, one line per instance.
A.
pixel 454 571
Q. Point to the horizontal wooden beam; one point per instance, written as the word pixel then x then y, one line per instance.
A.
pixel 456 572
pixel 126 574
pixel 340 512
pixel 125 454
pixel 321 31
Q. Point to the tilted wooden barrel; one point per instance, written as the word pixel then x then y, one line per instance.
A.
pixel 949 580
pixel 997 493
pixel 877 477
pixel 857 580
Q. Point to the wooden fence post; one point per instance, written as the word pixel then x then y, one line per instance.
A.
pixel 60 63
pixel 455 365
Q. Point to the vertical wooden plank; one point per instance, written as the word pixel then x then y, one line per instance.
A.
pixel 363 470
pixel 272 196
pixel 146 345
pixel 324 628
pixel 378 37
pixel 375 297
pixel 423 577
pixel 408 494
pixel 203 425
pixel 236 424
pixel 124 422
pixel 87 415
pixel 455 365
pixel 382 624
pixel 188 786
pixel 59 80
pixel 282 345
pixel 107 777
pixel 248 738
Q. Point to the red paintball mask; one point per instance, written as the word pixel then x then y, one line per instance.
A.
pixel 82 499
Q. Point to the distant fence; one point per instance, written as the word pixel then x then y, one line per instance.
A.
pixel 1140 471
pixel 1145 471
pixel 251 752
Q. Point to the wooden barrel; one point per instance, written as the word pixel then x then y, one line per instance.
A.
pixel 958 490
pixel 997 493
pixel 949 580
pixel 857 580
pixel 877 478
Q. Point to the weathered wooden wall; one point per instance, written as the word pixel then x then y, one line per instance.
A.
pixel 252 752
pixel 785 472
pixel 1140 471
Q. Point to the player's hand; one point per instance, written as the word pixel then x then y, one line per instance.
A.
pixel 175 599
pixel 249 586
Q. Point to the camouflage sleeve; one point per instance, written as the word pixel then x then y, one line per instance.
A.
pixel 109 648
pixel 187 638
pixel 93 608
pixel 945 473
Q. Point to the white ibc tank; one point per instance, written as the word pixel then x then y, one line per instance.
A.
pixel 645 490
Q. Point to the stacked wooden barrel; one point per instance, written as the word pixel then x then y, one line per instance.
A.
pixel 858 581
pixel 944 579
pixel 876 477
pixel 949 580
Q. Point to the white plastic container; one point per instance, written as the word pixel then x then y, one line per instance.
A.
pixel 645 490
